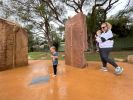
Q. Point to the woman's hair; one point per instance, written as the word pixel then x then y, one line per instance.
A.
pixel 108 25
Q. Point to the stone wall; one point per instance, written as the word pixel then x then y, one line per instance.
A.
pixel 76 41
pixel 13 45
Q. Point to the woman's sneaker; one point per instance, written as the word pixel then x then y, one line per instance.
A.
pixel 118 70
pixel 104 69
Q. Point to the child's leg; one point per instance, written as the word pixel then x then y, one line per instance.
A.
pixel 55 69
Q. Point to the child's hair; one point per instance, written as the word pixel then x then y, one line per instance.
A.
pixel 53 47
pixel 98 32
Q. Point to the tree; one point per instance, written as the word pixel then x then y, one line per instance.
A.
pixel 127 11
pixel 30 38
pixel 120 25
pixel 56 41
pixel 77 5
pixel 122 21
pixel 94 25
pixel 39 13
pixel 93 7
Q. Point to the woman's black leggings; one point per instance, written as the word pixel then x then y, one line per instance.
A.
pixel 104 54
pixel 55 69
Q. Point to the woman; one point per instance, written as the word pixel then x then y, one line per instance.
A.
pixel 106 42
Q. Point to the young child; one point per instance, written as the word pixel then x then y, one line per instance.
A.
pixel 54 57
pixel 98 33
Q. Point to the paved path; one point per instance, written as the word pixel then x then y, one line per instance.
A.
pixel 71 83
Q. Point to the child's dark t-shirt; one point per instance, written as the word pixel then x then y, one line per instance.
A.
pixel 55 61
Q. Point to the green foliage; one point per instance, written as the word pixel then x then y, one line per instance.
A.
pixel 41 14
pixel 30 37
pixel 131 31
pixel 94 21
pixel 56 41
pixel 100 18
pixel 61 28
pixel 123 43
pixel 120 25
pixel 1 2
pixel 30 41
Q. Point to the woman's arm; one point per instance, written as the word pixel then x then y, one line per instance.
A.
pixel 107 36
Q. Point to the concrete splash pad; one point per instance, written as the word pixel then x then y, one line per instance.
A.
pixel 71 83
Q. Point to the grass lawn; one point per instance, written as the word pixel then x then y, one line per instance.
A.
pixel 88 56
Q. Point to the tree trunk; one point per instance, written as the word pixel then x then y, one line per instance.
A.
pixel 105 15
pixel 92 28
pixel 49 42
pixel 47 32
pixel 91 43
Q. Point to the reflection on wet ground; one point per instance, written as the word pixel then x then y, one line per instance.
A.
pixel 70 84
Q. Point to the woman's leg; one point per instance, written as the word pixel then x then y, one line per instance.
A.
pixel 104 62
pixel 105 55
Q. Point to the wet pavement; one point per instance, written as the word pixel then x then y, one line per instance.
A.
pixel 70 84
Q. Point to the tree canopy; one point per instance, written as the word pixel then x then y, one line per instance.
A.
pixel 45 18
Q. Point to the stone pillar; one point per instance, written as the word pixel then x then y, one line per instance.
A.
pixel 76 41
pixel 13 45
pixel 130 58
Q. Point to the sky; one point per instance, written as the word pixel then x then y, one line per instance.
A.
pixel 117 7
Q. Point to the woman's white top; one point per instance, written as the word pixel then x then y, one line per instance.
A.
pixel 107 43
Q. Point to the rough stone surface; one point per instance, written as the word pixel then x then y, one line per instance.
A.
pixel 13 45
pixel 76 41
pixel 130 58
